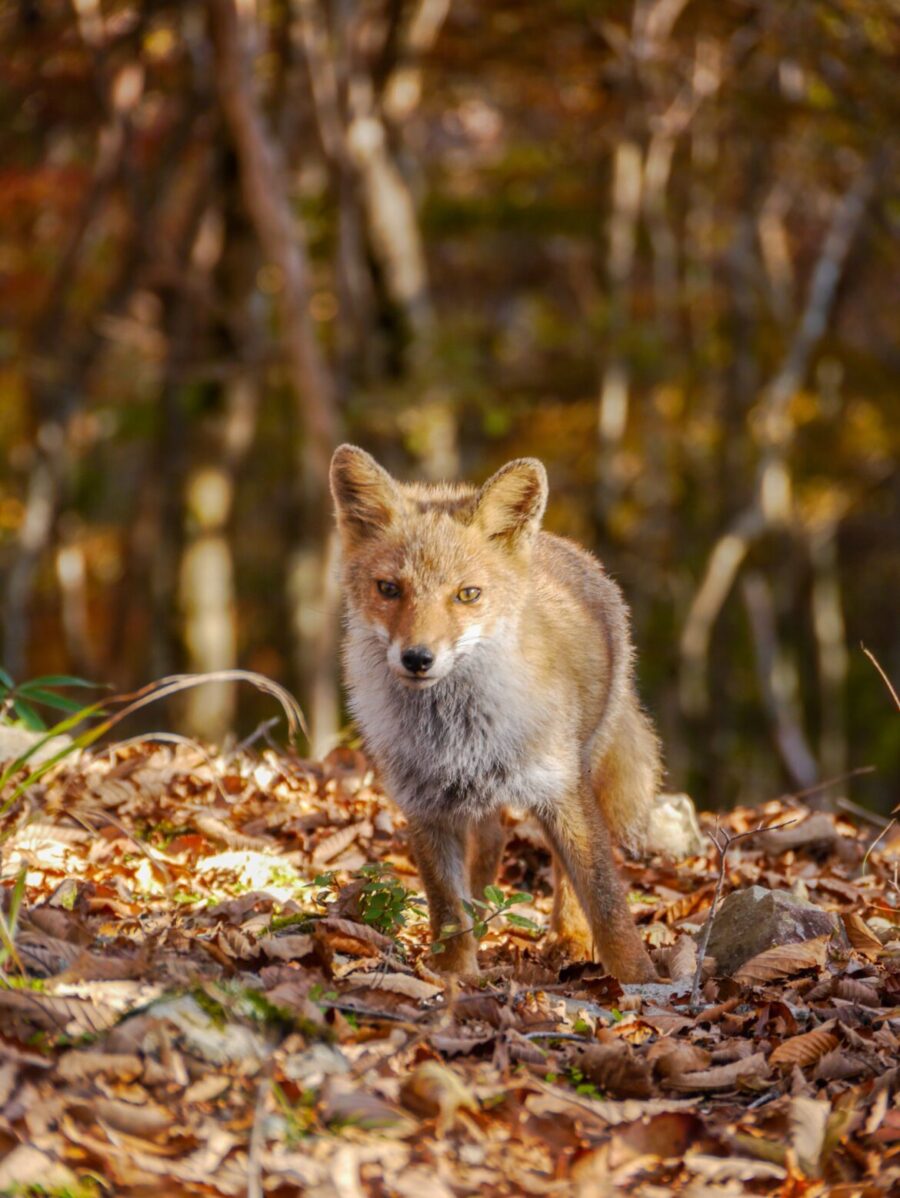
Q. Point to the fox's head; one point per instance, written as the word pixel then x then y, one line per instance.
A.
pixel 434 571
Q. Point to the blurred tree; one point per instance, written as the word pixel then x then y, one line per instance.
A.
pixel 654 242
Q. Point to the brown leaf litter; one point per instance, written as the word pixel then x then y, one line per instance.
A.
pixel 200 1015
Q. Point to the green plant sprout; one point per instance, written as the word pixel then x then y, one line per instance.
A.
pixel 384 902
pixel 482 912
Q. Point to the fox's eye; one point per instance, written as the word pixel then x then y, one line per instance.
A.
pixel 468 594
pixel 390 590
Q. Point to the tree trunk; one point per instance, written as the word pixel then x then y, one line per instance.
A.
pixel 265 190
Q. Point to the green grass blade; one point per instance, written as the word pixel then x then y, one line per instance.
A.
pixel 51 699
pixel 65 725
pixel 61 680
pixel 28 715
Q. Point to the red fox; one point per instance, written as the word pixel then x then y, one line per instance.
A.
pixel 489 665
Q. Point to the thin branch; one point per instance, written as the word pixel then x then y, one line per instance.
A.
pixel 860 812
pixel 887 682
pixel 829 782
pixel 864 864
pixel 259 733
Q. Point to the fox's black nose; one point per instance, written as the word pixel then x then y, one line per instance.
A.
pixel 418 659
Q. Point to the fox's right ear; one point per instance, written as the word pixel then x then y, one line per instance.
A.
pixel 365 496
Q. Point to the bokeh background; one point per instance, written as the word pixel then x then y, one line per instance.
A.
pixel 654 242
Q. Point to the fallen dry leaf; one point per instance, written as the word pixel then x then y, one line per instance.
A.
pixel 672 1058
pixel 750 1069
pixel 808 1120
pixel 616 1069
pixel 784 960
pixel 396 983
pixel 804 1049
pixel 137 1119
pixel 861 935
pixel 286 948
pixel 732 1168
pixel 79 1065
pixel 682 958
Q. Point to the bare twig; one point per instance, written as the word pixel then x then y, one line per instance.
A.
pixel 267 195
pixel 871 817
pixel 582 1039
pixel 763 1099
pixel 827 783
pixel 881 835
pixel 723 840
pixel 887 682
pixel 259 732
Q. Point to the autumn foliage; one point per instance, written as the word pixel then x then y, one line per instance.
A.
pixel 652 242
pixel 222 983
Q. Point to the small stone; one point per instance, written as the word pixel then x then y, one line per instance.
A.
pixel 16 741
pixel 673 828
pixel 753 920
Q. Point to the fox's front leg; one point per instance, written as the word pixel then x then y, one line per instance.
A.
pixel 580 838
pixel 440 853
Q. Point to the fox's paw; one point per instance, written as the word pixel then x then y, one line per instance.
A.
pixel 565 947
pixel 635 967
pixel 461 963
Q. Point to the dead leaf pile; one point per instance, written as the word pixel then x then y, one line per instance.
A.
pixel 189 1011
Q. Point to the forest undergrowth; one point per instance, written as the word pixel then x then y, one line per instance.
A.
pixel 218 979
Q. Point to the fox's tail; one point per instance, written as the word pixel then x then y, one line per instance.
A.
pixel 627 777
pixel 627 767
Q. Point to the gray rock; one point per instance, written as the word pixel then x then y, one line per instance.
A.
pixel 752 920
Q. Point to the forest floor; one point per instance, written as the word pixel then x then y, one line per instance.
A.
pixel 212 992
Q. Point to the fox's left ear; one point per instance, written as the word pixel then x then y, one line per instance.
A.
pixel 365 495
pixel 510 505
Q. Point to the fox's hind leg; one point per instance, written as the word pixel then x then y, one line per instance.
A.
pixel 580 838
pixel 487 840
pixel 571 930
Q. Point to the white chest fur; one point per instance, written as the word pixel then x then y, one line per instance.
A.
pixel 475 741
